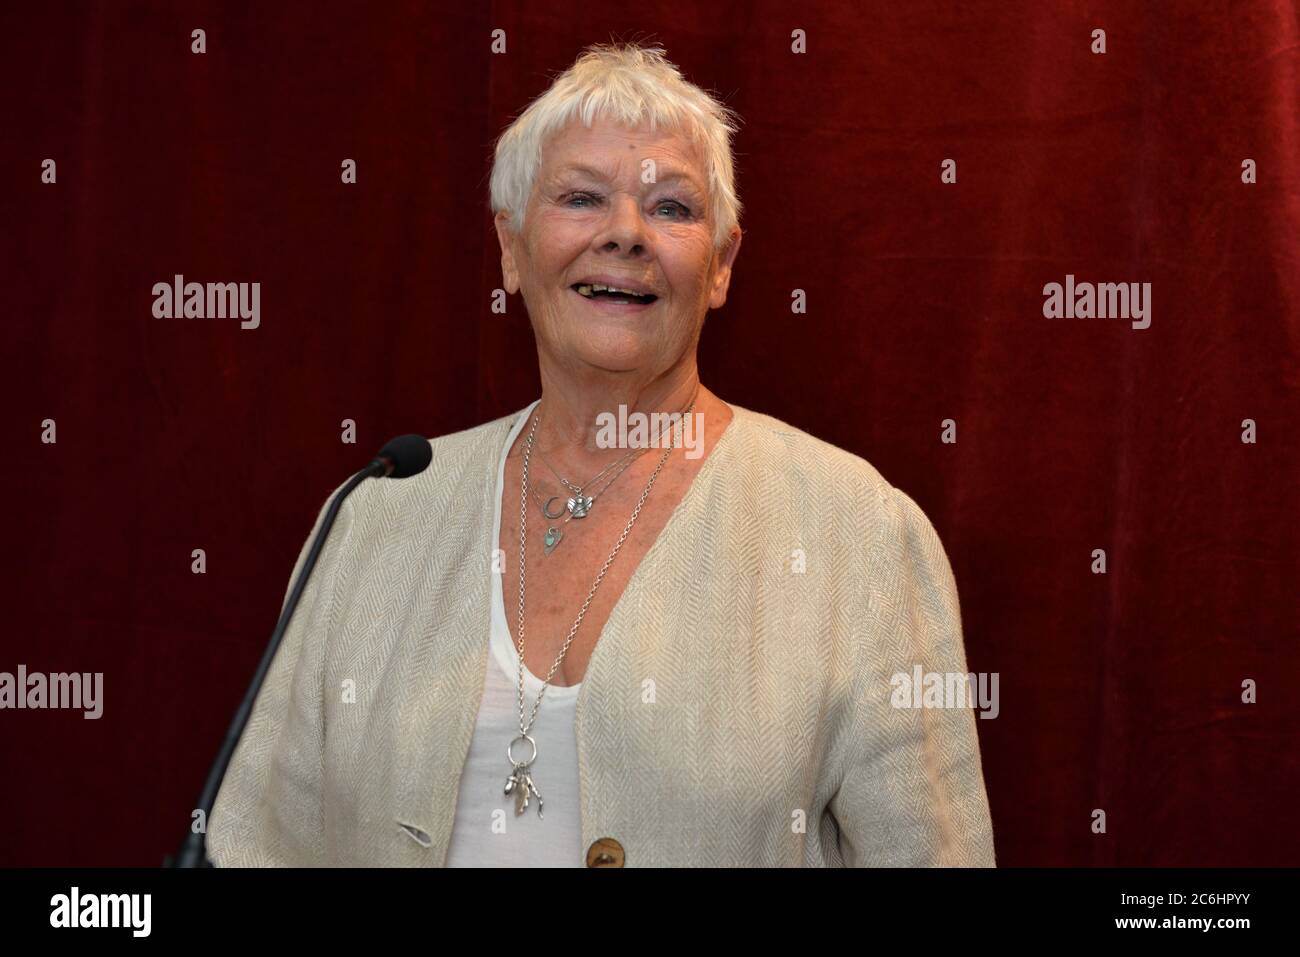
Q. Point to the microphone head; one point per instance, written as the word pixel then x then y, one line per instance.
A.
pixel 409 455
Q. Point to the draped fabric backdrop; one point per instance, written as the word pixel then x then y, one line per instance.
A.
pixel 1119 691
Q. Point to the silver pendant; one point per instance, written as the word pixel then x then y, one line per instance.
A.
pixel 579 505
pixel 520 781
pixel 551 539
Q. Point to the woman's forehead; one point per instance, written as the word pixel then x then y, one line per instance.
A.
pixel 606 150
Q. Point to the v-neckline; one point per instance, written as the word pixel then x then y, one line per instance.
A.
pixel 635 579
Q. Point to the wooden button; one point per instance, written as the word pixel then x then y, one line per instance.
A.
pixel 606 852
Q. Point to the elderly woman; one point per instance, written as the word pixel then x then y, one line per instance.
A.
pixel 567 643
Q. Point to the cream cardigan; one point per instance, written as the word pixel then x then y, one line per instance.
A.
pixel 736 710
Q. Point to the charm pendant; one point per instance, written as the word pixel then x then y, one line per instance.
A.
pixel 520 782
pixel 551 539
pixel 579 505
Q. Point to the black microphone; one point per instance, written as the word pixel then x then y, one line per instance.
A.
pixel 403 457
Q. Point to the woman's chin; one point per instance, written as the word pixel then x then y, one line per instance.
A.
pixel 613 351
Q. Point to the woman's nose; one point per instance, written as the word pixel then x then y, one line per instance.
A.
pixel 624 227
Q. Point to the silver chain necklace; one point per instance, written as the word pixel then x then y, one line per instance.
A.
pixel 579 505
pixel 520 783
pixel 577 489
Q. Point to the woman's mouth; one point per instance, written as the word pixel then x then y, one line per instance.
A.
pixel 606 298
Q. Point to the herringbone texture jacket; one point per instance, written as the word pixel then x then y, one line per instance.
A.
pixel 736 710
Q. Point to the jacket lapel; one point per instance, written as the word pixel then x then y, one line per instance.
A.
pixel 441 661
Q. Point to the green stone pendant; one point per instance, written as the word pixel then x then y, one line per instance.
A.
pixel 553 536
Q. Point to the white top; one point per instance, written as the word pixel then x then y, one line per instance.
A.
pixel 487 833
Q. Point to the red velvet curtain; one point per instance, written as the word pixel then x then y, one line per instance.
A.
pixel 1120 691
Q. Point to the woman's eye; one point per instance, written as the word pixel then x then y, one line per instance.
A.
pixel 573 197
pixel 682 211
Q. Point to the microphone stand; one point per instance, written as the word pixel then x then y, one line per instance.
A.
pixel 193 850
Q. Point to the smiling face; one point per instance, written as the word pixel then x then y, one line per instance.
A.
pixel 591 218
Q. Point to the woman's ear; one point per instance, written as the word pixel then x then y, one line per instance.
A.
pixel 722 276
pixel 507 239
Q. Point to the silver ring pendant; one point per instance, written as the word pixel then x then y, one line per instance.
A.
pixel 510 746
pixel 546 509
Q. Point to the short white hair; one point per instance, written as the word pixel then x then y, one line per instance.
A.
pixel 631 84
